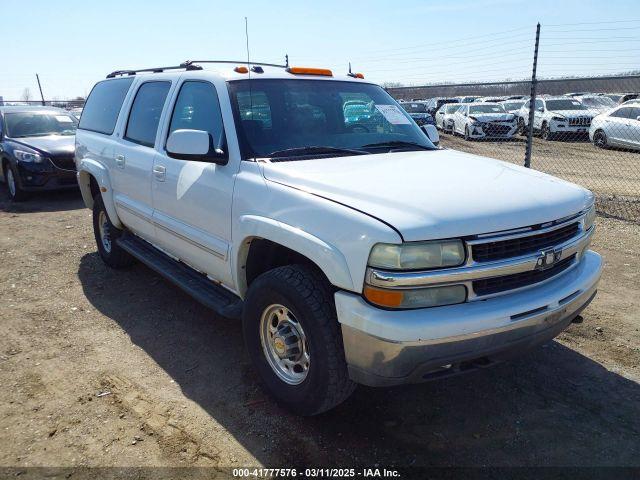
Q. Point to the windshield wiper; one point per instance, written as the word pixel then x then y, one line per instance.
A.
pixel 397 144
pixel 314 150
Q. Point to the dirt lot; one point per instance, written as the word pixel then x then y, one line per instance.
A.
pixel 614 174
pixel 99 367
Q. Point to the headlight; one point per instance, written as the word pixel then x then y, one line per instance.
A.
pixel 590 217
pixel 416 298
pixel 417 255
pixel 558 119
pixel 28 156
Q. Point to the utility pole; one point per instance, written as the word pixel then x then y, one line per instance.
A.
pixel 532 105
pixel 40 87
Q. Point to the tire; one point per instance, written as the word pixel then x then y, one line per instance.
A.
pixel 522 129
pixel 466 133
pixel 545 132
pixel 106 234
pixel 16 194
pixel 302 295
pixel 600 139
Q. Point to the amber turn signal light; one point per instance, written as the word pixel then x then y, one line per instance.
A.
pixel 241 69
pixel 384 298
pixel 310 71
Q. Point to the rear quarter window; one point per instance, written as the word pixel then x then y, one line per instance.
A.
pixel 103 105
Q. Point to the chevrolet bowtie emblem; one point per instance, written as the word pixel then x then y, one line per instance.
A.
pixel 547 259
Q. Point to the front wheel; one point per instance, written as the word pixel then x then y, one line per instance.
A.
pixel 293 338
pixel 16 193
pixel 546 132
pixel 106 234
pixel 466 133
pixel 600 139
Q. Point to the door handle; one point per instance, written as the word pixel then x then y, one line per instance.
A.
pixel 159 171
pixel 120 161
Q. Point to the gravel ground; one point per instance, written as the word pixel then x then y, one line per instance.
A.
pixel 118 368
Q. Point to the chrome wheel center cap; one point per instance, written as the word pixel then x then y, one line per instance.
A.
pixel 279 346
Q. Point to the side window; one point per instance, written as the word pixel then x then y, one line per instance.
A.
pixel 621 112
pixel 103 105
pixel 198 108
pixel 145 113
pixel 634 113
pixel 539 104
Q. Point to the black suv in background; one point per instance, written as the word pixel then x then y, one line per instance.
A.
pixel 418 111
pixel 37 146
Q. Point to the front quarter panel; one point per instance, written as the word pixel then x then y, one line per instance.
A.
pixel 335 237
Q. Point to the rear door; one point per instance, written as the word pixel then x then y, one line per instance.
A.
pixel 134 156
pixel 192 199
pixel 632 128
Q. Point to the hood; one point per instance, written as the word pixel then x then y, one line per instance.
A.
pixel 435 194
pixel 573 113
pixel 492 117
pixel 51 145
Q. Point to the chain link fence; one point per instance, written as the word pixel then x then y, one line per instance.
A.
pixel 582 129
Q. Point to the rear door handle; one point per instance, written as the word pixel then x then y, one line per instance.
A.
pixel 120 161
pixel 159 171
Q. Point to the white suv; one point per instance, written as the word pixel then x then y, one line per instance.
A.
pixel 353 249
pixel 555 116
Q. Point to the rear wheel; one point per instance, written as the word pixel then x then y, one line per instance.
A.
pixel 106 234
pixel 294 341
pixel 600 139
pixel 16 193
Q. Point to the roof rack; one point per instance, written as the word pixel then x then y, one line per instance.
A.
pixel 193 65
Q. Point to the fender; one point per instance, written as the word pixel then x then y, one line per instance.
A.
pixel 89 167
pixel 327 257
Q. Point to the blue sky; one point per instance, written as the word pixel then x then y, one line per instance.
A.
pixel 72 44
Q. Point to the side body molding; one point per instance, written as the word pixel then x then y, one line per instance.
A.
pixel 88 167
pixel 326 256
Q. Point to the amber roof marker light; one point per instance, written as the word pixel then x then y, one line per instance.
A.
pixel 310 71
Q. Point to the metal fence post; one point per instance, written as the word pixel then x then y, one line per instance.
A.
pixel 532 105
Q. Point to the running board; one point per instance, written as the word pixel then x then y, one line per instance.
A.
pixel 205 291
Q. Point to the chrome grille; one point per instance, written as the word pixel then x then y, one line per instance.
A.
pixel 491 286
pixel 515 247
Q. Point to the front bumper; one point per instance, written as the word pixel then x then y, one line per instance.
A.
pixel 45 176
pixel 478 131
pixel 556 126
pixel 384 348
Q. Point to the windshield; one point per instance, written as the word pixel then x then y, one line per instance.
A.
pixel 512 105
pixel 299 117
pixel 414 107
pixel 598 102
pixel 565 105
pixel 486 109
pixel 36 124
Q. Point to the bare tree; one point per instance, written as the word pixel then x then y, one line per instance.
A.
pixel 392 84
pixel 26 95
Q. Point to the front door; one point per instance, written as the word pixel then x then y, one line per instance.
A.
pixel 192 199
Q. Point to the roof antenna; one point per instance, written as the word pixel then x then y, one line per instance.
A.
pixel 286 60
pixel 349 68
pixel 246 34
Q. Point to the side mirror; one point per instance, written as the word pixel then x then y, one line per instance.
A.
pixel 432 133
pixel 540 109
pixel 196 145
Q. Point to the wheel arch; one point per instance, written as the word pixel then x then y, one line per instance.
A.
pixel 93 178
pixel 267 244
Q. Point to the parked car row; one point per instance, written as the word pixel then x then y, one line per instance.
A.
pixel 608 119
